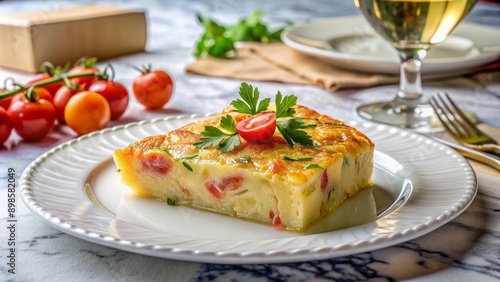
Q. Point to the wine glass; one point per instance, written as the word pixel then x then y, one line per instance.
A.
pixel 412 27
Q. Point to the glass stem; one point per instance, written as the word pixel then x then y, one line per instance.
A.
pixel 410 84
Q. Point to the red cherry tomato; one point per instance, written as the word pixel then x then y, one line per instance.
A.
pixel 86 81
pixel 153 89
pixel 115 93
pixel 61 99
pixel 5 126
pixel 5 103
pixel 32 120
pixel 258 128
pixel 52 88
pixel 41 93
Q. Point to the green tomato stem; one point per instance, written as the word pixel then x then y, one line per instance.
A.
pixel 31 94
pixel 53 80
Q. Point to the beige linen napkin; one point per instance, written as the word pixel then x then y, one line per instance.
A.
pixel 277 62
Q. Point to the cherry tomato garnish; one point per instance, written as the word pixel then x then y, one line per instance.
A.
pixel 86 112
pixel 5 126
pixel 32 120
pixel 61 99
pixel 153 89
pixel 115 93
pixel 258 128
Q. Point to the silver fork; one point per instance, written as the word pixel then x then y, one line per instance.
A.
pixel 459 126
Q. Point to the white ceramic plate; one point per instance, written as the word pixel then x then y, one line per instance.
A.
pixel 349 42
pixel 419 186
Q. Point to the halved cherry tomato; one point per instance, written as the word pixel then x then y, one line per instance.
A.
pixel 5 126
pixel 153 89
pixel 258 128
pixel 115 93
pixel 61 99
pixel 32 120
pixel 86 112
pixel 82 66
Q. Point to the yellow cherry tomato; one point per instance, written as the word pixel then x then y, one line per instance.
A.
pixel 86 112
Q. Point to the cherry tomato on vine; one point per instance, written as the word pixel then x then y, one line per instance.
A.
pixel 32 119
pixel 115 93
pixel 86 112
pixel 153 89
pixel 51 88
pixel 258 128
pixel 41 93
pixel 49 71
pixel 5 126
pixel 61 99
pixel 5 103
pixel 84 65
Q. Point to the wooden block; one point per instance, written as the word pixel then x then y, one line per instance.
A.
pixel 65 35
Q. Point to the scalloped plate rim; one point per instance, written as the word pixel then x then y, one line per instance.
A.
pixel 269 256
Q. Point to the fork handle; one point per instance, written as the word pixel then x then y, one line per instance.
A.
pixel 492 148
pixel 488 159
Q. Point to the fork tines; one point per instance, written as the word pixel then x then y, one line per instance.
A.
pixel 452 118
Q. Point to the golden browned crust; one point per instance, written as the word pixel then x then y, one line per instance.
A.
pixel 332 140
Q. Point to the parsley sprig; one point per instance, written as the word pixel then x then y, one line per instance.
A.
pixel 290 127
pixel 249 102
pixel 219 40
pixel 213 136
pixel 291 130
pixel 285 105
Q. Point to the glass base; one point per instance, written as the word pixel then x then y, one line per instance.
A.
pixel 418 116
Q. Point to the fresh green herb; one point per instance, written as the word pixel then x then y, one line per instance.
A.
pixel 187 158
pixel 249 102
pixel 346 161
pixel 171 202
pixel 227 123
pixel 285 106
pixel 186 165
pixel 290 129
pixel 245 159
pixel 164 150
pixel 311 189
pixel 212 136
pixel 312 166
pixel 330 194
pixel 285 158
pixel 219 40
pixel 230 143
pixel 213 42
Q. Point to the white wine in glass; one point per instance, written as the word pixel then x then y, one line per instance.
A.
pixel 412 27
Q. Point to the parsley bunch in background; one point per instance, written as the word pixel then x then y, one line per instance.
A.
pixel 219 40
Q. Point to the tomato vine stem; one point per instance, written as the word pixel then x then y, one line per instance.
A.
pixel 56 79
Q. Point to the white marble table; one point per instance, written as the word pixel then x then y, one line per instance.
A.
pixel 466 249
